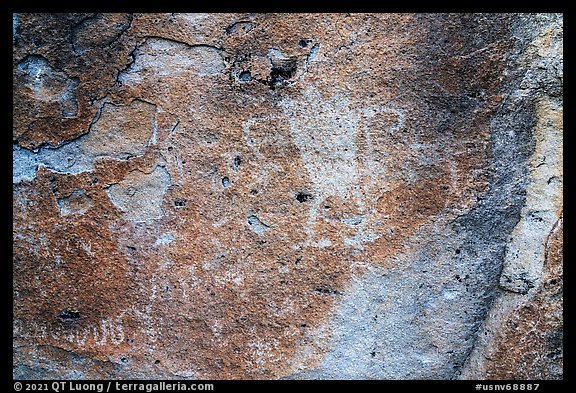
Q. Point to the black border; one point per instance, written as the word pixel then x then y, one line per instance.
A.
pixel 297 385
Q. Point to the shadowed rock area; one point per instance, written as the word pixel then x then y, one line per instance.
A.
pixel 288 196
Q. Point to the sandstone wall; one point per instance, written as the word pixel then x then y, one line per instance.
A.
pixel 295 196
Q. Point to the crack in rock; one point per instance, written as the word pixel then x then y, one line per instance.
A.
pixel 118 132
pixel 159 57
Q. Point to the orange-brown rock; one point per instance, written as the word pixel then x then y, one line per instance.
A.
pixel 272 196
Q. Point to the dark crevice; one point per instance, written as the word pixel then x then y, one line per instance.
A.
pixel 180 202
pixel 303 196
pixel 175 126
pixel 46 145
pixel 326 290
pixel 240 27
pixel 69 316
pixel 237 162
pixel 199 45
pixel 282 71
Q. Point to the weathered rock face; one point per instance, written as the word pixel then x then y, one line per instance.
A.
pixel 287 196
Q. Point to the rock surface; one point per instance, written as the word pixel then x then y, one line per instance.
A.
pixel 287 196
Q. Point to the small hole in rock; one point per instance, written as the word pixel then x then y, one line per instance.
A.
pixel 225 182
pixel 170 148
pixel 68 315
pixel 281 72
pixel 237 162
pixel 156 361
pixel 373 354
pixel 457 251
pixel 302 43
pixel 245 76
pixel 303 196
pixel 254 192
pixel 303 325
pixel 123 360
pixel 180 202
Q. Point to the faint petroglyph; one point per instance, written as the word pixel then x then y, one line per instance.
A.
pixel 326 130
pixel 108 330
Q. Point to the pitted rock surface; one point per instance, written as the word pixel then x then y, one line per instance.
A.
pixel 287 196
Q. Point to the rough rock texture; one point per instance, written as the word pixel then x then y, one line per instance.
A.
pixel 287 196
